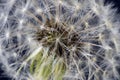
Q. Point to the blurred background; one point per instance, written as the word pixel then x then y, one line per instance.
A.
pixel 116 5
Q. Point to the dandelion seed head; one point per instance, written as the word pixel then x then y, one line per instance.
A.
pixel 59 39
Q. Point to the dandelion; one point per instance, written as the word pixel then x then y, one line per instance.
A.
pixel 59 40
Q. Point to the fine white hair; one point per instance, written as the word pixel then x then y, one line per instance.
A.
pixel 96 23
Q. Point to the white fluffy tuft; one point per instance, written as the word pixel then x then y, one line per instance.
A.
pixel 98 59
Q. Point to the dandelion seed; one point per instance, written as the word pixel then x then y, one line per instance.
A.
pixel 7 34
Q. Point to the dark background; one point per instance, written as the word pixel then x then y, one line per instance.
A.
pixel 117 5
pixel 116 2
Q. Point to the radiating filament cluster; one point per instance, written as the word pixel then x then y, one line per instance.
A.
pixel 59 40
